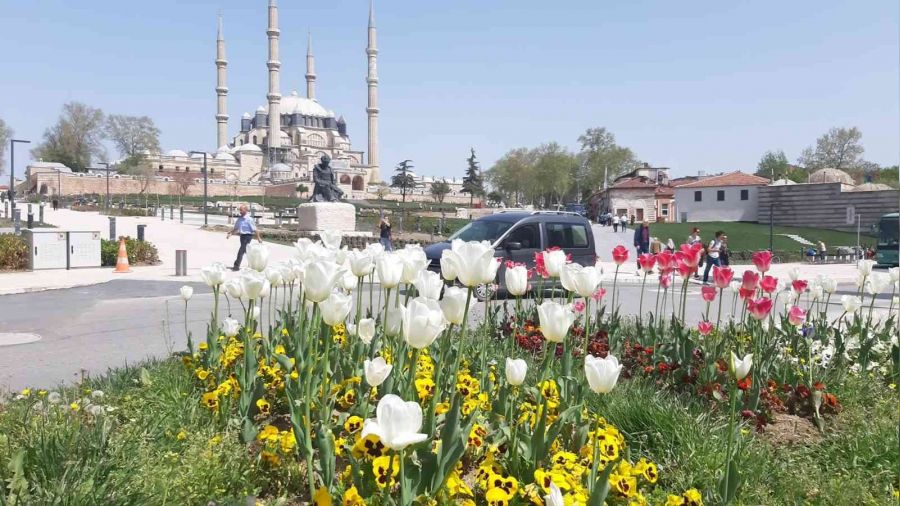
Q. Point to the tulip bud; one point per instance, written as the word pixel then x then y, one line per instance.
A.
pixel 601 373
pixel 377 370
pixel 335 308
pixel 366 330
pixel 516 369
pixel 186 292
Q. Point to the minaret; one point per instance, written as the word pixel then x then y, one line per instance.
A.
pixel 372 108
pixel 310 70
pixel 221 90
pixel 274 65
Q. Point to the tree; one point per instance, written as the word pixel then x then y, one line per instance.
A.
pixel 473 183
pixel 403 178
pixel 184 180
pixel 840 148
pixel 6 133
pixel 132 136
pixel 888 176
pixel 76 139
pixel 553 173
pixel 512 174
pixel 605 160
pixel 439 190
pixel 302 189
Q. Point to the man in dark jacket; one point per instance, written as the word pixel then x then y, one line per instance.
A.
pixel 642 240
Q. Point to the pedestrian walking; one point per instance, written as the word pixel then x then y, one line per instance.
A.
pixel 615 222
pixel 712 255
pixel 385 234
pixel 723 252
pixel 245 228
pixel 641 242
pixel 55 203
pixel 693 239
pixel 823 252
pixel 623 221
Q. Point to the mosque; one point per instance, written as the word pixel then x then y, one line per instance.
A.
pixel 285 137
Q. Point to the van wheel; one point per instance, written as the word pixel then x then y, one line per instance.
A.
pixel 482 291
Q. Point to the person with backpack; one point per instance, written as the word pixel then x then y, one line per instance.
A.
pixel 693 239
pixel 713 251
pixel 615 223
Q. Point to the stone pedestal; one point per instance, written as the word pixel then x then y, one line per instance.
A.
pixel 319 216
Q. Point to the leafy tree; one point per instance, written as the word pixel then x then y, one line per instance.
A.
pixel 5 134
pixel 887 175
pixel 76 139
pixel 512 174
pixel 403 178
pixel 553 173
pixel 840 148
pixel 439 190
pixel 302 189
pixel 473 183
pixel 132 136
pixel 604 158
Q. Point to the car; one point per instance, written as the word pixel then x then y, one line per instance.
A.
pixel 577 208
pixel 517 235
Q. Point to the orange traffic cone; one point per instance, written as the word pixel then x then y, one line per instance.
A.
pixel 122 261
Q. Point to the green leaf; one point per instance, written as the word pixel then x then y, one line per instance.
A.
pixel 18 485
pixel 601 486
pixel 326 455
pixel 729 483
pixel 145 377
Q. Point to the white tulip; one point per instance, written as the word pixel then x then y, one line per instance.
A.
pixel 448 268
pixel 454 304
pixel 374 250
pixel 348 282
pixel 361 263
pixel 231 327
pixel 331 239
pixel 366 330
pixel 186 292
pixel 473 262
pixel 566 274
pixel 735 286
pixel 555 497
pixel 516 369
pixel 273 275
pixel 303 247
pixel 554 261
pixel 257 256
pixel 255 313
pixel 741 368
pixel 894 273
pixel 851 303
pixel 394 320
pixel 816 292
pixel 414 262
pixel 794 273
pixel 586 280
pixel 389 269
pixel 252 283
pixel 877 283
pixel 288 275
pixel 829 285
pixel 423 322
pixel 555 320
pixel 429 285
pixel 54 398
pixel 265 288
pixel 213 275
pixel 516 280
pixel 601 373
pixel 396 423
pixel 865 267
pixel 320 278
pixel 335 308
pixel 234 289
pixel 340 255
pixel 377 370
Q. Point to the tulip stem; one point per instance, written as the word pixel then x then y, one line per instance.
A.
pixel 728 454
pixel 641 304
pixel 719 317
pixel 187 334
pixel 464 330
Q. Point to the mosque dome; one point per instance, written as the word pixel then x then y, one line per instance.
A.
pixel 872 187
pixel 246 115
pixel 280 169
pixel 244 148
pixel 224 155
pixel 782 182
pixel 831 176
pixel 197 155
pixel 295 104
pixel 177 152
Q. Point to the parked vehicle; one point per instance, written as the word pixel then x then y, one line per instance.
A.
pixel 517 236
pixel 577 208
pixel 888 234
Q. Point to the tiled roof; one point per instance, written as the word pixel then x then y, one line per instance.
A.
pixel 633 183
pixel 665 191
pixel 736 178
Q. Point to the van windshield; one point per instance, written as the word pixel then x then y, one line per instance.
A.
pixel 482 230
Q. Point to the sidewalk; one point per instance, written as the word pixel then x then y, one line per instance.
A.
pixel 203 248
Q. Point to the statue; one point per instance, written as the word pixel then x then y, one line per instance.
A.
pixel 326 188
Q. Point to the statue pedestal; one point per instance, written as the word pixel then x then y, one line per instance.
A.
pixel 319 216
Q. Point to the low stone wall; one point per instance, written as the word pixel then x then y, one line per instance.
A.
pixel 73 184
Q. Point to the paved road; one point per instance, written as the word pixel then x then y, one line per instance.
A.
pixel 123 322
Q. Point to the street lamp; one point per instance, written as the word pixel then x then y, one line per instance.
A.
pixel 106 164
pixel 12 170
pixel 205 218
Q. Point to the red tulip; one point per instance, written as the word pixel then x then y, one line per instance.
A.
pixel 746 293
pixel 722 276
pixel 708 293
pixel 750 280
pixel 762 260
pixel 690 254
pixel 620 254
pixel 665 280
pixel 684 269
pixel 666 261
pixel 705 328
pixel 799 285
pixel 768 284
pixel 796 316
pixel 646 260
pixel 759 308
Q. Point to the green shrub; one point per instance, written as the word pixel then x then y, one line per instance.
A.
pixel 13 253
pixel 139 252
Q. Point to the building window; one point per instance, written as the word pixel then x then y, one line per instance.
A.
pixel 664 210
pixel 745 194
pixel 160 168
pixel 187 169
pixel 720 195
pixel 698 196
pixel 254 139
pixel 851 215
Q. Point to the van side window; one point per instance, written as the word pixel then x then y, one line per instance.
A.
pixel 527 235
pixel 566 235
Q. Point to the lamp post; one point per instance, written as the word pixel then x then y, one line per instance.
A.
pixel 205 216
pixel 105 164
pixel 12 170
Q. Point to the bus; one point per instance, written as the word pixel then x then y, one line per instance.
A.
pixel 888 240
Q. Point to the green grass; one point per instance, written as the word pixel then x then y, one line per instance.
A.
pixel 743 236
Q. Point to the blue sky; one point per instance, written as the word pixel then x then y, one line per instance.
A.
pixel 697 85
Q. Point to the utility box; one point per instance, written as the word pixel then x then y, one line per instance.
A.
pixel 46 249
pixel 84 249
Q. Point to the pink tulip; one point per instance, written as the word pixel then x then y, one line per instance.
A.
pixel 599 294
pixel 746 293
pixel 578 306
pixel 759 308
pixel 799 285
pixel 684 269
pixel 708 293
pixel 620 254
pixel 722 276
pixel 750 280
pixel 705 328
pixel 666 261
pixel 768 284
pixel 646 260
pixel 665 280
pixel 796 316
pixel 762 260
pixel 690 254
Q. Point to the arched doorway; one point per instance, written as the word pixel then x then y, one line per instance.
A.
pixel 43 189
pixel 345 179
pixel 358 183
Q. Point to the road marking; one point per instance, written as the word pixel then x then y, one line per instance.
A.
pixel 14 338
